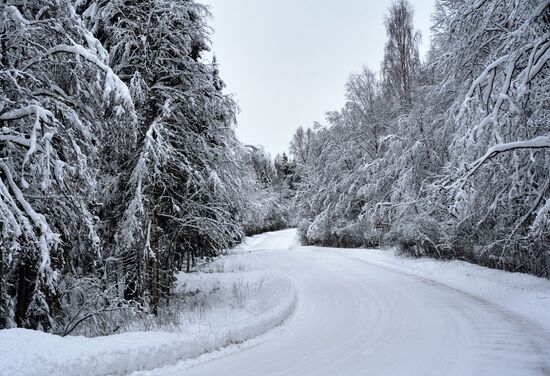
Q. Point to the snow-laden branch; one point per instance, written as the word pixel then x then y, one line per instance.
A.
pixel 40 115
pixel 16 16
pixel 535 143
pixel 16 139
pixel 113 83
pixel 478 81
pixel 75 50
pixel 46 235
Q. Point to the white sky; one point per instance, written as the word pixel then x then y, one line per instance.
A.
pixel 287 61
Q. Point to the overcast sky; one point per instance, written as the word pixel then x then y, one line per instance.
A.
pixel 287 61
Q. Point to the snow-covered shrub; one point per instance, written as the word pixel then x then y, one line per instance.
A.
pixel 92 308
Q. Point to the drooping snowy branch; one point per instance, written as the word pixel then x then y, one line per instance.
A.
pixel 535 143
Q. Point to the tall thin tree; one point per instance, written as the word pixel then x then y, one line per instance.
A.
pixel 401 59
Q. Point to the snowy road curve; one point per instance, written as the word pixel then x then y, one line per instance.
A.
pixel 357 318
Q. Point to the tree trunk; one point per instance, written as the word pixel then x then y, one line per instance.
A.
pixel 24 289
pixel 154 264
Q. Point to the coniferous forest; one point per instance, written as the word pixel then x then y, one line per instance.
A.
pixel 120 167
pixel 119 163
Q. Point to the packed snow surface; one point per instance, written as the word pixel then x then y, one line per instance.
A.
pixel 358 312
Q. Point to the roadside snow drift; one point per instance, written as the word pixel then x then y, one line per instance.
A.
pixel 234 299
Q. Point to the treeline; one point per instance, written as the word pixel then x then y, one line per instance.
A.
pixel 447 157
pixel 271 205
pixel 118 161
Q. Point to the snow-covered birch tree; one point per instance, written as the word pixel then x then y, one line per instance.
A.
pixel 454 162
pixel 401 59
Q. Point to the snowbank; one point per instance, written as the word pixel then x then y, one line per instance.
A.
pixel 235 299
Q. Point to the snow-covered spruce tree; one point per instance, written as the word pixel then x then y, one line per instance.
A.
pixel 183 196
pixel 497 57
pixel 57 94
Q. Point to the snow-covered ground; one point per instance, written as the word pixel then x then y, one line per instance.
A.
pixel 358 312
pixel 369 312
pixel 235 298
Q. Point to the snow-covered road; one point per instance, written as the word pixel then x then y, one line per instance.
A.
pixel 355 317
